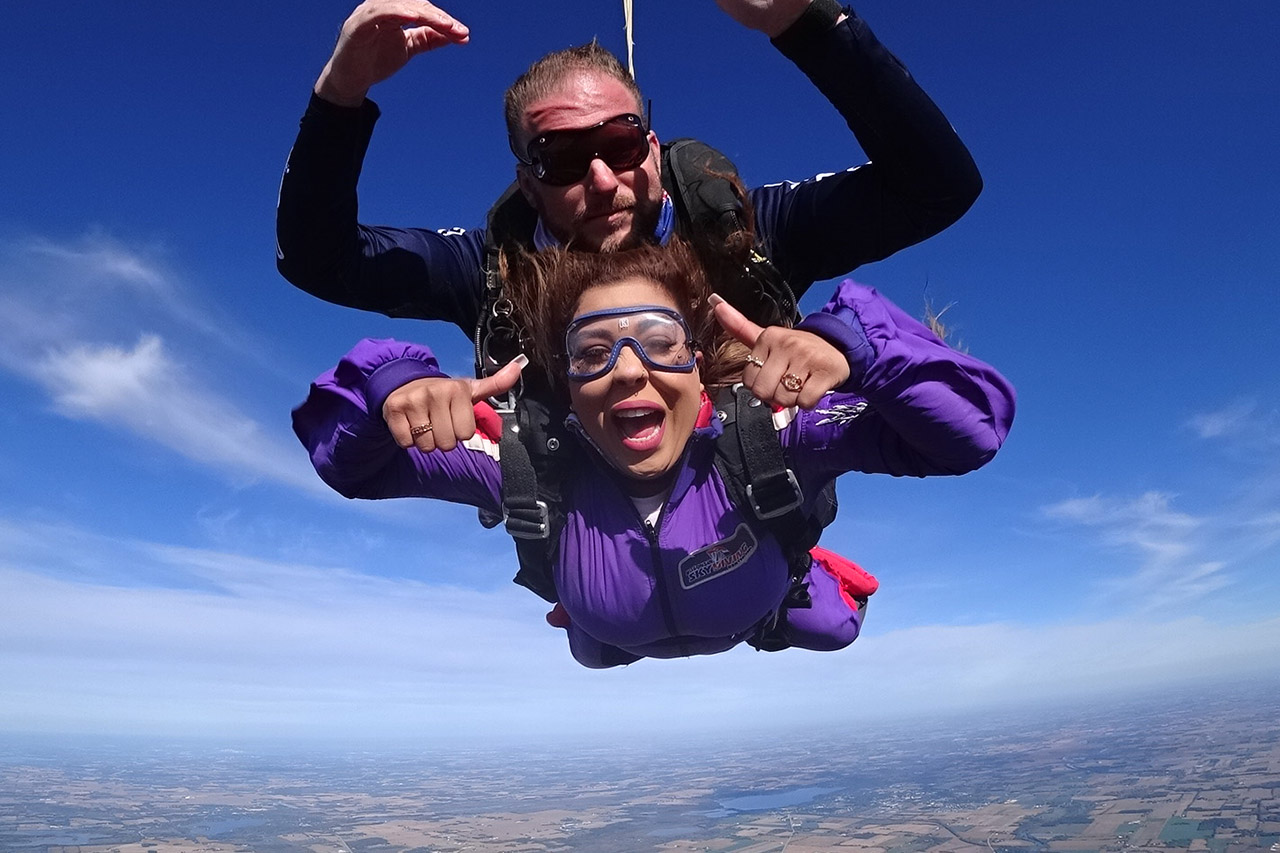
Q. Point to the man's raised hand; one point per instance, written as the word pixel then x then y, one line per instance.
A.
pixel 377 40
pixel 787 367
pixel 436 412
pixel 770 17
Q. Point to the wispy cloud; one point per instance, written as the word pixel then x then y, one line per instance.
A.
pixel 1150 512
pixel 1166 557
pixel 96 285
pixel 1168 548
pixel 1224 422
pixel 98 259
pixel 115 631
pixel 193 640
pixel 82 321
pixel 1243 422
pixel 997 663
pixel 145 390
pixel 1265 528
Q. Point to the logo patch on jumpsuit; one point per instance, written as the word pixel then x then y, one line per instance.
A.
pixel 717 559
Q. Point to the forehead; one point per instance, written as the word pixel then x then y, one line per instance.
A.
pixel 582 98
pixel 623 294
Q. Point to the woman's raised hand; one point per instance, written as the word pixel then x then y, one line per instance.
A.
pixel 436 412
pixel 787 367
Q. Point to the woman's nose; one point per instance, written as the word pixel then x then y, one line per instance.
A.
pixel 630 367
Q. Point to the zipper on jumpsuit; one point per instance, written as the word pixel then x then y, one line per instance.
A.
pixel 660 574
pixel 650 530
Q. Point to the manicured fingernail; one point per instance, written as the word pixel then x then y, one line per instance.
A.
pixel 521 360
pixel 715 299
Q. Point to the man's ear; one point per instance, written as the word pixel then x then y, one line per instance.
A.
pixel 655 149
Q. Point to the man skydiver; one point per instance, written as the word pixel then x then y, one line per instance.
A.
pixel 590 190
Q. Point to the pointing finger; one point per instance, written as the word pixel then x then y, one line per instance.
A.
pixel 734 322
pixel 500 382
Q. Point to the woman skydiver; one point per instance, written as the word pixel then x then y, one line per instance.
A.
pixel 655 557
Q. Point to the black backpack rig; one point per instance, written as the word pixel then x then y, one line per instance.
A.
pixel 535 442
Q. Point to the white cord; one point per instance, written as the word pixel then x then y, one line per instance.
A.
pixel 631 40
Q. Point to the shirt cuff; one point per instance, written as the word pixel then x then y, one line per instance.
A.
pixel 319 107
pixel 819 17
pixel 391 376
pixel 847 335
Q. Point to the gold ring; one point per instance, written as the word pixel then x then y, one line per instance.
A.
pixel 751 359
pixel 792 382
pixel 421 429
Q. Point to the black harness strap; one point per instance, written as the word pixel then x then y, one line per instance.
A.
pixel 773 493
pixel 533 454
pixel 525 516
pixel 756 475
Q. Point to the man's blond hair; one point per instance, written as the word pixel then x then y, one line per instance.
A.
pixel 545 76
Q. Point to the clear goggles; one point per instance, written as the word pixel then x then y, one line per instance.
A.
pixel 563 157
pixel 658 335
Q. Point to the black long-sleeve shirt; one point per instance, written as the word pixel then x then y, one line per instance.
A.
pixel 920 179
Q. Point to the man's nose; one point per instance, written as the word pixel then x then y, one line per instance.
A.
pixel 600 177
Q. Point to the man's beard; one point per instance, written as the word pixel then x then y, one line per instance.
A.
pixel 643 225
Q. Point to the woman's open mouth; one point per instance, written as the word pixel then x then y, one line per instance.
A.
pixel 639 428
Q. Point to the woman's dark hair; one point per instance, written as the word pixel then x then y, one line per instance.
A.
pixel 545 287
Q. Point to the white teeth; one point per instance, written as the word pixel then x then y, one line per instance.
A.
pixel 633 413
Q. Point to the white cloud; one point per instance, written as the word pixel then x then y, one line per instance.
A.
pixel 65 325
pixel 104 382
pixel 97 286
pixel 1264 528
pixel 998 663
pixel 186 640
pixel 144 390
pixel 1169 548
pixel 1230 421
pixel 1134 520
pixel 120 631
pixel 97 258
pixel 1243 427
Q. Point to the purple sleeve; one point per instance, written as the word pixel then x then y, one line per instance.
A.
pixel 340 423
pixel 913 406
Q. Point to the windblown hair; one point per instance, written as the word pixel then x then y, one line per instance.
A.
pixel 545 76
pixel 545 287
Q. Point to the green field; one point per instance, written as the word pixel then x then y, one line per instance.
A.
pixel 1180 831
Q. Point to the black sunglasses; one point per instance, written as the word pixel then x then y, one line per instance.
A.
pixel 563 157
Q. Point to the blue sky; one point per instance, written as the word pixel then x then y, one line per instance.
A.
pixel 169 563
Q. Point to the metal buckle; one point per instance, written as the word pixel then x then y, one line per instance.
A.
pixel 506 404
pixel 762 513
pixel 519 525
pixel 499 340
